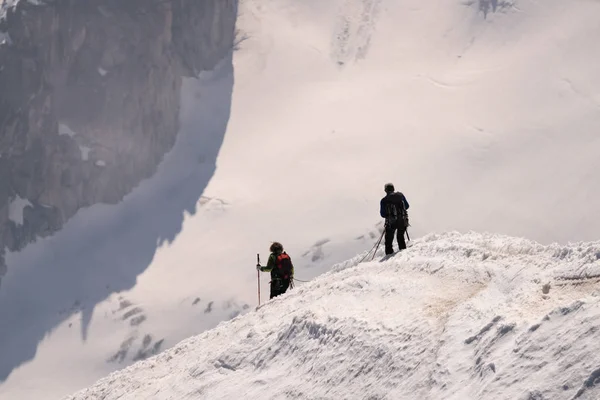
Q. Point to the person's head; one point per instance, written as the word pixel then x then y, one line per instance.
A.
pixel 276 247
pixel 389 188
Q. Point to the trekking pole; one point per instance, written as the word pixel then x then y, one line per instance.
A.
pixel 378 243
pixel 258 276
pixel 375 246
pixel 407 235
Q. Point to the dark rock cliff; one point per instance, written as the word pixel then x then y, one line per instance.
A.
pixel 89 100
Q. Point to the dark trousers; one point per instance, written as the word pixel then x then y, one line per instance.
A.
pixel 279 286
pixel 389 237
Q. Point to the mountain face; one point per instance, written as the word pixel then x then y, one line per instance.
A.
pixel 90 98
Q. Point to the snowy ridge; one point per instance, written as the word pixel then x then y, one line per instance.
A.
pixel 457 316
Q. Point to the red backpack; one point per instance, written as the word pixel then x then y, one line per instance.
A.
pixel 284 266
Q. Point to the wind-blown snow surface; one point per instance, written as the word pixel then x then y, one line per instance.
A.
pixel 454 317
pixel 485 114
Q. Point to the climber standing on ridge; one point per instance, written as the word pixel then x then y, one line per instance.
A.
pixel 393 208
pixel 281 268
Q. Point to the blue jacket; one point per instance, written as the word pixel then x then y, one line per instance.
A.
pixel 396 198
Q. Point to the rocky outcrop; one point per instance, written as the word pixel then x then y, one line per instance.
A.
pixel 89 100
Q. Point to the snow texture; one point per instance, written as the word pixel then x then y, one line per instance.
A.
pixel 85 152
pixel 457 316
pixel 65 130
pixel 4 38
pixel 16 208
pixel 4 6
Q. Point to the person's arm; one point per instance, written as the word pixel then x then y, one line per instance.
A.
pixel 382 210
pixel 406 205
pixel 270 264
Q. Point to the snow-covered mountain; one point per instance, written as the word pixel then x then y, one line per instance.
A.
pixel 485 114
pixel 455 317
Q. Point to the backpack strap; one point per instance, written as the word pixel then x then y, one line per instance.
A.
pixel 404 212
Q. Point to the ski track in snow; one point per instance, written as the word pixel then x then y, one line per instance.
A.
pixel 454 317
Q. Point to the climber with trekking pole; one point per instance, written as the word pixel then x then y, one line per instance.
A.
pixel 281 268
pixel 393 208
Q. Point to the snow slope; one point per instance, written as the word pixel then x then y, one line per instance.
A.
pixel 484 113
pixel 454 317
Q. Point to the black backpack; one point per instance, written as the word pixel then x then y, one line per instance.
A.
pixel 397 214
pixel 284 266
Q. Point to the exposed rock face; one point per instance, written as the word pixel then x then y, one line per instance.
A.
pixel 89 100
